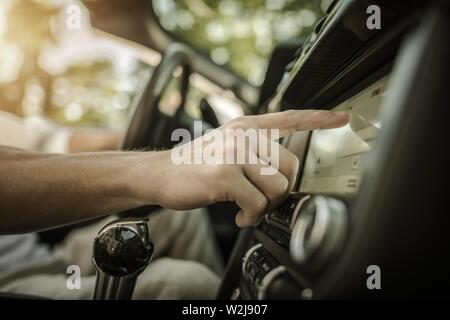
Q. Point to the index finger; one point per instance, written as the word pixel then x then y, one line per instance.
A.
pixel 301 120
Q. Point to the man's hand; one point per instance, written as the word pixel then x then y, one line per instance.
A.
pixel 186 186
pixel 39 191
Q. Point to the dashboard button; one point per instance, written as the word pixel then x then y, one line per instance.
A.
pixel 319 230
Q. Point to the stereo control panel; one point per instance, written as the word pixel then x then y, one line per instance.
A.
pixel 311 226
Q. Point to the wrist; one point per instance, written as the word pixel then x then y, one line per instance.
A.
pixel 147 178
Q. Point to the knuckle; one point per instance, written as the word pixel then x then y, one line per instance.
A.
pixel 221 171
pixel 321 113
pixel 279 189
pixel 293 161
pixel 239 119
pixel 241 122
pixel 321 118
pixel 238 122
pixel 288 113
pixel 260 205
pixel 288 116
pixel 284 185
pixel 251 219
pixel 327 115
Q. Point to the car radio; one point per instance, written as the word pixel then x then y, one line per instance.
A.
pixel 332 172
pixel 312 228
pixel 335 159
pixel 365 195
pixel 312 224
pixel 267 278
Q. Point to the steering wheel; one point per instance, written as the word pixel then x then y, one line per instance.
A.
pixel 149 127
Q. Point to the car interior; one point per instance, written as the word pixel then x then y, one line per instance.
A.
pixel 369 194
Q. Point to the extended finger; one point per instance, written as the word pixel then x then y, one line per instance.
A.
pixel 300 120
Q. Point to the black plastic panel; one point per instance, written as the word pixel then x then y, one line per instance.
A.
pixel 345 54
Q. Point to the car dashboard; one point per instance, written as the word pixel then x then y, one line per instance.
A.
pixel 357 184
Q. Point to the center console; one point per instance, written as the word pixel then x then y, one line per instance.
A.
pixel 343 215
pixel 311 226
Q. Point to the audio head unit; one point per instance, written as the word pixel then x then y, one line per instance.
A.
pixel 335 158
pixel 312 223
pixel 364 196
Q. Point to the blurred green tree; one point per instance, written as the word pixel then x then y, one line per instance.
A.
pixel 29 29
pixel 238 34
pixel 90 92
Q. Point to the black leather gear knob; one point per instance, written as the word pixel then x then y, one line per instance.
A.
pixel 122 250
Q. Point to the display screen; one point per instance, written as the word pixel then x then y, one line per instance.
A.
pixel 335 160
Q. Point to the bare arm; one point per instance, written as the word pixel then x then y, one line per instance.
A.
pixel 39 190
pixel 94 140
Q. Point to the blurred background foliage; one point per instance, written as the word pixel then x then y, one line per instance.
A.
pixel 239 34
pixel 80 78
pixel 93 93
pixel 73 77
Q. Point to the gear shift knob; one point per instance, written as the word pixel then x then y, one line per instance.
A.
pixel 122 250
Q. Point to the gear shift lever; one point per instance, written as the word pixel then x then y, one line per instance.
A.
pixel 122 250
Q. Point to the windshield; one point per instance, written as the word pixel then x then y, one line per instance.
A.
pixel 239 34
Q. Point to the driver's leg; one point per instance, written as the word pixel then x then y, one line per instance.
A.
pixel 165 278
pixel 182 235
pixel 185 235
pixel 169 278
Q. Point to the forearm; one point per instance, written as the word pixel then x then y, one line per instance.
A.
pixel 39 191
pixel 94 140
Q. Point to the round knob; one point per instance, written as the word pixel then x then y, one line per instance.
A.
pixel 123 247
pixel 319 230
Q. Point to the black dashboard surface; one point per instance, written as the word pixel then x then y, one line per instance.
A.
pixel 319 243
